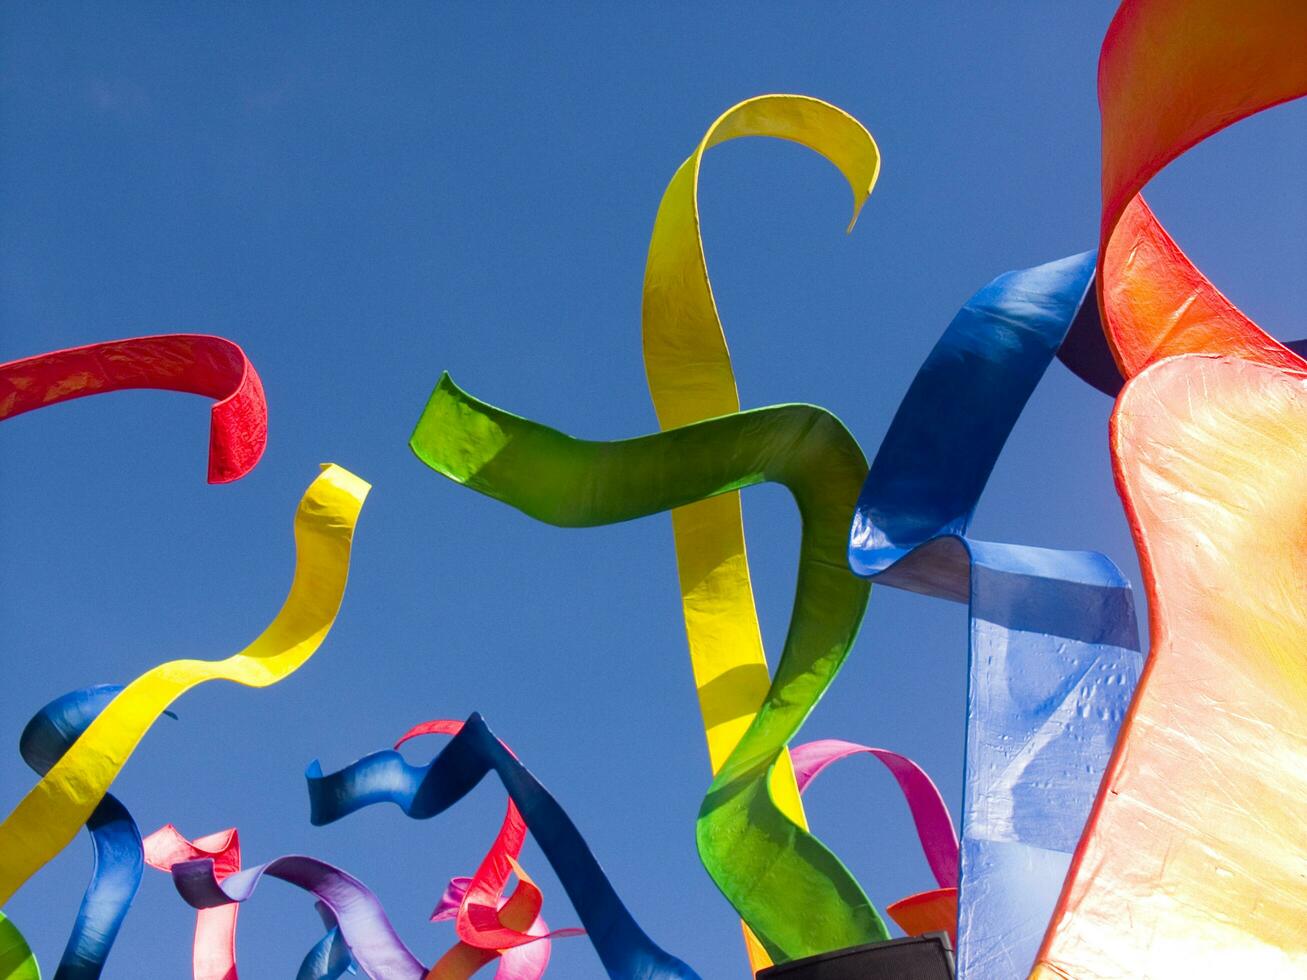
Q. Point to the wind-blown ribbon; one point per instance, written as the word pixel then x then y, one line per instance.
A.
pixel 1054 651
pixel 194 363
pixel 764 863
pixel 1194 858
pixel 486 923
pixel 118 862
pixel 926 911
pixel 213 953
pixel 372 941
pixel 425 791
pixel 48 816
pixel 16 959
pixel 691 379
pixel 329 958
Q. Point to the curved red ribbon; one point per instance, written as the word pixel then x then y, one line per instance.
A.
pixel 214 951
pixel 195 363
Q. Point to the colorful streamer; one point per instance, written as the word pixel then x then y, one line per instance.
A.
pixel 763 862
pixel 525 961
pixel 118 861
pixel 1054 651
pixel 1193 860
pixel 425 791
pixel 16 959
pixel 373 943
pixel 691 379
pixel 213 952
pixel 194 363
pixel 48 817
pixel 936 910
pixel 329 958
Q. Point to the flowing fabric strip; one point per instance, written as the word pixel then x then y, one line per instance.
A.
pixel 213 952
pixel 1192 860
pixel 1054 651
pixel 193 363
pixel 477 920
pixel 926 911
pixel 118 862
pixel 329 958
pixel 757 855
pixel 526 961
pixel 425 791
pixel 48 816
pixel 373 943
pixel 691 379
pixel 16 959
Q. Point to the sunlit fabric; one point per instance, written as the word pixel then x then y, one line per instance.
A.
pixel 426 791
pixel 47 818
pixel 213 951
pixel 691 379
pixel 194 363
pixel 526 961
pixel 16 959
pixel 118 862
pixel 763 862
pixel 1192 863
pixel 1054 651
pixel 373 943
pixel 927 911
pixel 329 958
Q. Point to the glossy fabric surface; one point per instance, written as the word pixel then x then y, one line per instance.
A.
pixel 425 791
pixel 691 379
pixel 118 861
pixel 194 363
pixel 373 943
pixel 1053 641
pixel 329 958
pixel 213 951
pixel 48 816
pixel 527 961
pixel 1183 869
pixel 764 863
pixel 16 959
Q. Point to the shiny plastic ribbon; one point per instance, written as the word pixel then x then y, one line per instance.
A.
pixel 372 941
pixel 48 816
pixel 193 363
pixel 1054 651
pixel 1193 860
pixel 926 911
pixel 118 862
pixel 763 862
pixel 691 379
pixel 16 959
pixel 213 953
pixel 422 792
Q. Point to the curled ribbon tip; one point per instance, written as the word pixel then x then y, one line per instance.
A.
pixel 195 363
pixel 47 818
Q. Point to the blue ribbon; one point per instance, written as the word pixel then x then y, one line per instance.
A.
pixel 1054 645
pixel 425 791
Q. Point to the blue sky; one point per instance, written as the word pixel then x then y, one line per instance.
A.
pixel 363 195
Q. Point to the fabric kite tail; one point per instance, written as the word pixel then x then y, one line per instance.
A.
pixel 758 855
pixel 118 861
pixel 329 958
pixel 425 791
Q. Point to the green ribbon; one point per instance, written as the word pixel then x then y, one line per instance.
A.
pixel 16 959
pixel 765 864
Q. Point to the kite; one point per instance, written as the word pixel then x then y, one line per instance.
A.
pixel 48 816
pixel 691 379
pixel 1193 859
pixel 194 363
pixel 425 791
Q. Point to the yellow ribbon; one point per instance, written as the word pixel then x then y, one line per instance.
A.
pixel 690 378
pixel 52 812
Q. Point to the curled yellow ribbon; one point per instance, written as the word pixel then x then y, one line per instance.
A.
pixel 52 812
pixel 691 379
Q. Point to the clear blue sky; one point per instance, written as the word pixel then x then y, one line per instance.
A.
pixel 363 195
